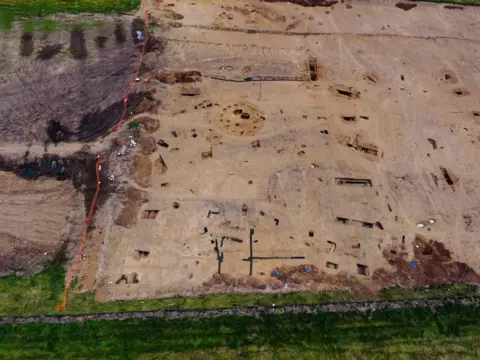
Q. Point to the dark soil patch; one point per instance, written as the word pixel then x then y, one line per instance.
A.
pixel 300 276
pixel 132 199
pixel 347 91
pixel 96 124
pixel 137 25
pixel 79 168
pixel 172 15
pixel 66 95
pixel 453 7
pixel 179 77
pixel 461 92
pixel 159 166
pixel 405 6
pixel 432 265
pixel 26 44
pixel 155 45
pixel 308 3
pixel 150 125
pixel 49 51
pixel 77 44
pixel 100 41
pixel 142 170
pixel 372 78
pixel 120 36
pixel 147 145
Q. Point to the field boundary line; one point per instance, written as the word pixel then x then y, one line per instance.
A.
pixel 255 311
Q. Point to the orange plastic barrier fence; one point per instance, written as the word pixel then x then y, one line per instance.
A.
pixel 82 239
pixel 134 79
pixel 88 221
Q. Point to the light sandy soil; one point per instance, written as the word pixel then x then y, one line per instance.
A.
pixel 275 157
pixel 36 218
pixel 276 172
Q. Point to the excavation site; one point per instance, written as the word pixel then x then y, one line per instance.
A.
pixel 191 148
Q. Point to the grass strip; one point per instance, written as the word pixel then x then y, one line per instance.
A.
pixel 39 294
pixel 450 332
pixel 15 9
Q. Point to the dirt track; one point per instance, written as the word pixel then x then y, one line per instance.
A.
pixel 256 311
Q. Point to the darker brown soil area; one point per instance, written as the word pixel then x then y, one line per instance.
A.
pixel 132 199
pixel 78 168
pixel 432 265
pixel 405 6
pixel 309 3
pixel 66 88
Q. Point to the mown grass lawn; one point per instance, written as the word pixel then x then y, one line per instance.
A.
pixel 39 294
pixel 451 332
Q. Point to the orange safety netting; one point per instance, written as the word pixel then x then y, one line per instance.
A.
pixel 131 87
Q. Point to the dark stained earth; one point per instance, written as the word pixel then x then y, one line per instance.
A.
pixel 74 80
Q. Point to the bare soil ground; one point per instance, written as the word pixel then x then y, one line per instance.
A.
pixel 72 80
pixel 36 219
pixel 332 175
pixel 45 201
pixel 328 134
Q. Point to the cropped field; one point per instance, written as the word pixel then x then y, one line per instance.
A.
pixel 451 332
pixel 12 9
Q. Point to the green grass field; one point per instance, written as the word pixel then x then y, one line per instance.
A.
pixel 40 294
pixel 451 332
pixel 22 9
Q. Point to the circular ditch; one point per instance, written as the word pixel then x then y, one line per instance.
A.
pixel 239 119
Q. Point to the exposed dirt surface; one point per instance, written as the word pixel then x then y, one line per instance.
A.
pixel 239 119
pixel 339 161
pixel 150 124
pixel 453 7
pixel 405 6
pixel 50 196
pixel 148 145
pixel 74 83
pixel 179 77
pixel 36 218
pixel 142 170
pixel 26 44
pixel 289 278
pixel 78 168
pixel 159 166
pixel 131 199
pixel 307 2
pixel 284 146
pixel 432 265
